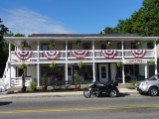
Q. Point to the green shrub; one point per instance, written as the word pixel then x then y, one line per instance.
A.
pixel 133 81
pixel 76 78
pixel 33 85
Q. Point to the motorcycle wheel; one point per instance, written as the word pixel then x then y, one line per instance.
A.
pixel 87 93
pixel 113 93
pixel 97 94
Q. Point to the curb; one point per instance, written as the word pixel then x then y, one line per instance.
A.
pixel 57 94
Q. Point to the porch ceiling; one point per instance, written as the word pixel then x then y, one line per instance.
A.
pixel 83 37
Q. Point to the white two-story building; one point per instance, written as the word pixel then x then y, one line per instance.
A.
pixel 98 53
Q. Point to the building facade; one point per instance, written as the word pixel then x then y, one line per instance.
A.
pixel 103 57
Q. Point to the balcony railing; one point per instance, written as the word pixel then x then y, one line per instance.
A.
pixel 72 55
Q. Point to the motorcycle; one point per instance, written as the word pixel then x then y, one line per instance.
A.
pixel 99 89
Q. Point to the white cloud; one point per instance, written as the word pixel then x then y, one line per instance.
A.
pixel 28 22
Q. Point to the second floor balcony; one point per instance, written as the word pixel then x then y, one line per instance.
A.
pixel 85 55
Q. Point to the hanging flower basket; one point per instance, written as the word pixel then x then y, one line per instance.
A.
pixel 108 43
pixel 138 43
pixel 24 44
pixel 119 64
pixel 78 43
pixel 151 63
pixel 52 44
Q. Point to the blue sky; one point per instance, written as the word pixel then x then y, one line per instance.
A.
pixel 65 16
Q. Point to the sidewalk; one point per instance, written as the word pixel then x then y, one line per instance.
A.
pixel 59 94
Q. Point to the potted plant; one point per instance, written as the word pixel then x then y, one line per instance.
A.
pixel 52 65
pixel 78 43
pixel 52 44
pixel 119 64
pixel 33 85
pixel 77 80
pixel 138 43
pixel 44 82
pixel 24 44
pixel 23 67
pixel 108 43
pixel 77 75
pixel 151 63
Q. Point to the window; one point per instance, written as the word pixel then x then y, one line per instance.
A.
pixel 103 70
pixel 86 46
pixel 133 46
pixel 44 47
pixel 119 45
pixel 69 70
pixel 69 46
pixel 103 46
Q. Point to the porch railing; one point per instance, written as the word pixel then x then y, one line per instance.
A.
pixel 84 54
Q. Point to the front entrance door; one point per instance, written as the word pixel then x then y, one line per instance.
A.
pixel 103 73
pixel 70 74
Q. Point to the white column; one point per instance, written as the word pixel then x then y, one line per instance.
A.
pixel 66 61
pixel 94 67
pixel 9 66
pixel 38 67
pixel 146 71
pixel 155 48
pixel 123 72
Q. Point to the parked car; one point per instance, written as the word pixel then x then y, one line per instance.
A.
pixel 149 86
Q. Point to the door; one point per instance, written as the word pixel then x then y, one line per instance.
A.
pixel 70 74
pixel 103 73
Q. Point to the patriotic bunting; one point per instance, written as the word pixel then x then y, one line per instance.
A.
pixel 51 55
pixel 79 54
pixel 139 53
pixel 23 55
pixel 109 54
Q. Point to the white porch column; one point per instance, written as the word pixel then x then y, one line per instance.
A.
pixel 146 71
pixel 155 48
pixel 123 71
pixel 38 67
pixel 66 61
pixel 94 67
pixel 9 66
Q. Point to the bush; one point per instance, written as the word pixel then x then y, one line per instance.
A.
pixel 77 78
pixel 133 81
pixel 33 85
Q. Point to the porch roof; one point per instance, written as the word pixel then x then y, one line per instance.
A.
pixel 82 37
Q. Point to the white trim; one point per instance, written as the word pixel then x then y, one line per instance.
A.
pixel 66 61
pixel 123 72
pixel 146 76
pixel 155 48
pixel 38 67
pixel 94 67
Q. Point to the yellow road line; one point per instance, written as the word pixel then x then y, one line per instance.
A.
pixel 77 109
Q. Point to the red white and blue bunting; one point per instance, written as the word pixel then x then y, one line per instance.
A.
pixel 24 55
pixel 51 55
pixel 109 54
pixel 79 54
pixel 139 53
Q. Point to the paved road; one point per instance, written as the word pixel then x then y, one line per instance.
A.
pixel 78 107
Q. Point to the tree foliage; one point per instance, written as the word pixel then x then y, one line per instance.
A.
pixel 3 48
pixel 144 22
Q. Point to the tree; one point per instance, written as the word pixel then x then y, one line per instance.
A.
pixel 143 22
pixel 3 48
pixel 3 30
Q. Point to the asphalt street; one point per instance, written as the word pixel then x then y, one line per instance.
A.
pixel 78 107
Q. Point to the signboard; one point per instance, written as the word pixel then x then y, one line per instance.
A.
pixel 135 61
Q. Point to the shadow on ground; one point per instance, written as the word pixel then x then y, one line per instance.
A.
pixel 5 103
pixel 123 94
